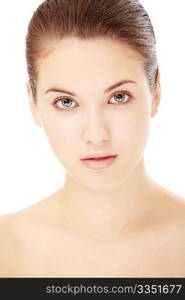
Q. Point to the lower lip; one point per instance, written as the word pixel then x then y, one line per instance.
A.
pixel 99 163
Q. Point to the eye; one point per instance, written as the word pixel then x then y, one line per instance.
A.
pixel 65 103
pixel 119 98
pixel 122 99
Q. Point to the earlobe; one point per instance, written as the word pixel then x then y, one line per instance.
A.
pixel 32 104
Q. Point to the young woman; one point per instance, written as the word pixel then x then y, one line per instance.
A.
pixel 94 85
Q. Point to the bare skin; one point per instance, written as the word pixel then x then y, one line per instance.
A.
pixel 113 222
pixel 35 244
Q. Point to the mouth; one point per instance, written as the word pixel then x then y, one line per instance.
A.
pixel 99 158
pixel 98 155
pixel 99 162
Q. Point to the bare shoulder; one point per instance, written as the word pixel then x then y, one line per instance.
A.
pixel 167 234
pixel 19 232
pixel 7 243
pixel 15 230
pixel 177 221
pixel 174 204
pixel 171 208
pixel 174 236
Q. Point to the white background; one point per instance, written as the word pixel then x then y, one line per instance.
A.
pixel 29 171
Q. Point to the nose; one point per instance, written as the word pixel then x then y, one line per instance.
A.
pixel 95 129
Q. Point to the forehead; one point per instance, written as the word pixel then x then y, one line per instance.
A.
pixel 75 60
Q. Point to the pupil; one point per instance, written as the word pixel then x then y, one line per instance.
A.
pixel 119 97
pixel 66 101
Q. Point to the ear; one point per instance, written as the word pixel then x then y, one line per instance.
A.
pixel 156 96
pixel 33 105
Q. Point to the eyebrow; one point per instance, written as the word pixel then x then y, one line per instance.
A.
pixel 59 90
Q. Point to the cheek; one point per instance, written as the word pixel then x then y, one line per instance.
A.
pixel 61 136
pixel 139 130
pixel 132 129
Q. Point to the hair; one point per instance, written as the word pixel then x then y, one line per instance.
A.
pixel 119 20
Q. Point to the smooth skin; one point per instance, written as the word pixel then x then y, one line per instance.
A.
pixel 113 222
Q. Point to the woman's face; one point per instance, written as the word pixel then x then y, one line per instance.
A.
pixel 94 119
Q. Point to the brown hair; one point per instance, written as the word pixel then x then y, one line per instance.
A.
pixel 121 20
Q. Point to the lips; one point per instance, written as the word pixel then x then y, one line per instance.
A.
pixel 99 158
pixel 101 163
pixel 98 155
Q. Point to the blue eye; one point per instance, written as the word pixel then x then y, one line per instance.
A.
pixel 66 102
pixel 119 97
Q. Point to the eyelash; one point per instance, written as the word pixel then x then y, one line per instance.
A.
pixel 130 98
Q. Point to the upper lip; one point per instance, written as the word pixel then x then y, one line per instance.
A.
pixel 97 155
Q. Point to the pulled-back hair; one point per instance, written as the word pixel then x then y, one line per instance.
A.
pixel 121 20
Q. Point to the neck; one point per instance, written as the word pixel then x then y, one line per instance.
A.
pixel 107 212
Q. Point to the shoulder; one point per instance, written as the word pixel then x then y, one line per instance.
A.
pixel 167 212
pixel 171 208
pixel 20 235
pixel 166 231
pixel 8 243
pixel 16 229
pixel 173 237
